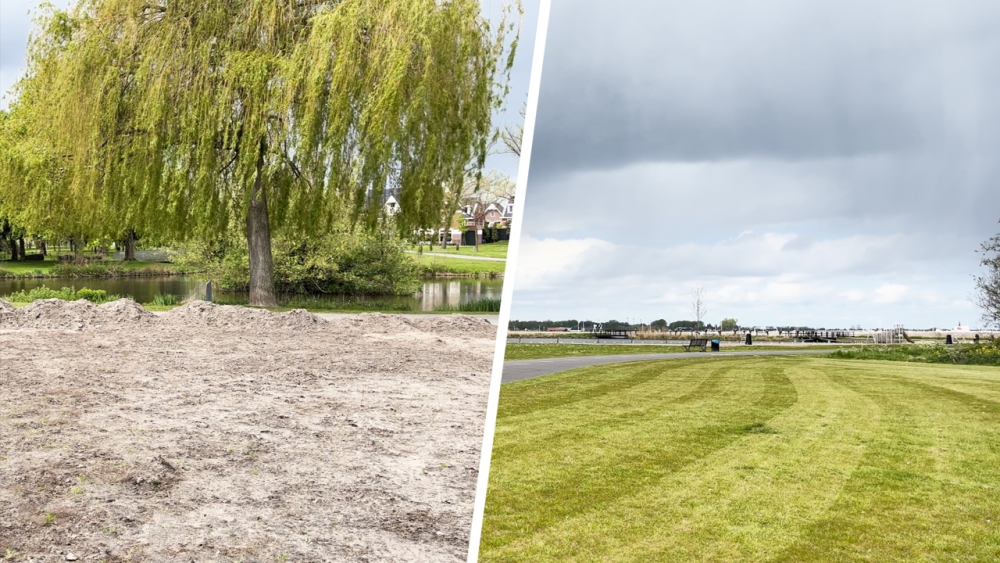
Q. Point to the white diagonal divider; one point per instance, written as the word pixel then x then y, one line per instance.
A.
pixel 508 283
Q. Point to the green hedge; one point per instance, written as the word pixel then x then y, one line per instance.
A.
pixel 66 294
pixel 986 353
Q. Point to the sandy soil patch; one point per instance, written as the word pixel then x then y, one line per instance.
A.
pixel 232 434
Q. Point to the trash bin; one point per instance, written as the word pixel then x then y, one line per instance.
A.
pixel 749 339
pixel 715 345
pixel 948 339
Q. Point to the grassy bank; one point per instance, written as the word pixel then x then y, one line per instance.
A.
pixel 481 306
pixel 985 354
pixel 516 351
pixel 790 459
pixel 491 250
pixel 433 266
pixel 66 294
pixel 54 269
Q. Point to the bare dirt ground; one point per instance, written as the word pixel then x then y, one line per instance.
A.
pixel 233 434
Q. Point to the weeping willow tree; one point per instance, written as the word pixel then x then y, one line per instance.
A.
pixel 180 116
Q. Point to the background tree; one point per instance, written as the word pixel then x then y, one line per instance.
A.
pixel 659 324
pixel 8 240
pixel 35 188
pixel 179 116
pixel 684 324
pixel 614 325
pixel 512 134
pixel 988 286
pixel 728 324
pixel 698 305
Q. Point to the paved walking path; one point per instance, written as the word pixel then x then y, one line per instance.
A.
pixel 526 369
pixel 460 256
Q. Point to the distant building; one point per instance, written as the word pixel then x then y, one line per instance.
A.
pixel 391 206
pixel 508 213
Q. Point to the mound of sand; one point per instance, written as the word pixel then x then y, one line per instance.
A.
pixel 233 317
pixel 199 443
pixel 124 312
pixel 467 326
pixel 56 314
pixel 298 319
pixel 378 323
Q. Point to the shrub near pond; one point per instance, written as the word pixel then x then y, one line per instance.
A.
pixel 66 294
pixel 481 306
pixel 342 263
pixel 165 300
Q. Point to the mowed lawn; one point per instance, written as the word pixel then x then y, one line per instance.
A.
pixel 428 262
pixel 46 266
pixel 780 459
pixel 490 250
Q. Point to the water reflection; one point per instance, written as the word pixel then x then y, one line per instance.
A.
pixel 452 293
pixel 433 295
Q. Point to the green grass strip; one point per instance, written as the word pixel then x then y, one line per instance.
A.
pixel 433 265
pixel 598 443
pixel 747 459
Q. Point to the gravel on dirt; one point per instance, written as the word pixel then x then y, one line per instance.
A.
pixel 220 433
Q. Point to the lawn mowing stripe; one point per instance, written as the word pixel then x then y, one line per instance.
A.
pixel 925 486
pixel 733 504
pixel 985 387
pixel 572 476
pixel 611 405
pixel 578 385
pixel 610 415
pixel 928 487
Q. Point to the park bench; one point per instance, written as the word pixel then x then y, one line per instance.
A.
pixel 696 343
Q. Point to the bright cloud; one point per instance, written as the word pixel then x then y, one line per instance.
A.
pixel 753 277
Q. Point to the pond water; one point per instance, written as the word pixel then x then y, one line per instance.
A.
pixel 434 294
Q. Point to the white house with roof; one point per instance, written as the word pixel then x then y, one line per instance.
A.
pixel 391 206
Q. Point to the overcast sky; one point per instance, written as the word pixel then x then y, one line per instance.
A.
pixel 15 25
pixel 807 163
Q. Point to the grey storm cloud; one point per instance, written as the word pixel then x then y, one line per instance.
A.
pixel 781 152
pixel 859 112
pixel 651 81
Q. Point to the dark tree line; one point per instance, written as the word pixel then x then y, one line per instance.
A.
pixel 11 241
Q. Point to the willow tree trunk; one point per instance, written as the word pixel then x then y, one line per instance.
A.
pixel 13 249
pixel 130 246
pixel 259 243
pixel 20 247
